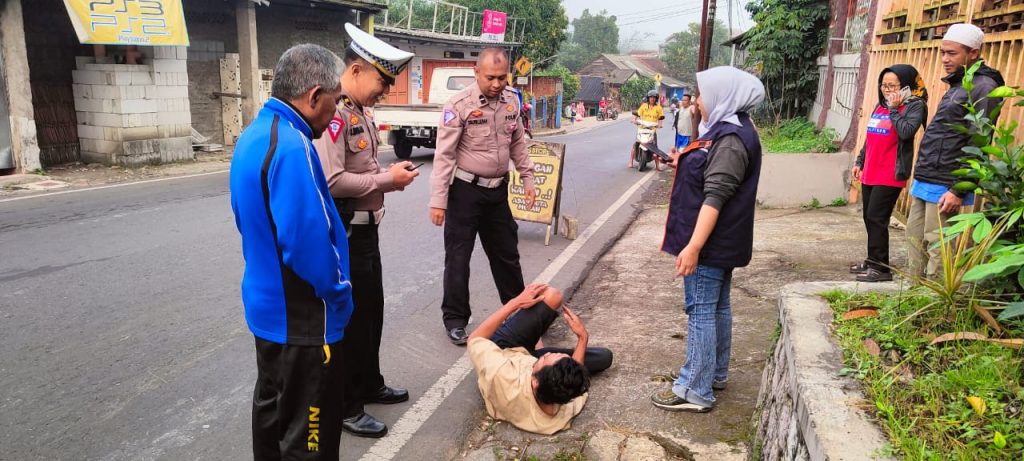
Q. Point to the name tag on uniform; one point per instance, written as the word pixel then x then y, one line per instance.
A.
pixel 477 121
pixel 355 130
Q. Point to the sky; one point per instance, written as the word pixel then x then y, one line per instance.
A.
pixel 659 18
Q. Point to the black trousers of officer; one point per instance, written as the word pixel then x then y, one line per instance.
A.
pixel 361 344
pixel 296 406
pixel 472 210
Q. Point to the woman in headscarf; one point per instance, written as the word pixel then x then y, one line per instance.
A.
pixel 710 229
pixel 884 163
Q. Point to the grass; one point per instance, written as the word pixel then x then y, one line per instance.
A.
pixel 920 392
pixel 798 135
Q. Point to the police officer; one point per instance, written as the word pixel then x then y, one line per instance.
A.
pixel 478 134
pixel 358 183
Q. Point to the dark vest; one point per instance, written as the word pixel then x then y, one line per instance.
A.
pixel 731 242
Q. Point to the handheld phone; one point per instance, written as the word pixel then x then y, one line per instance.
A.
pixel 414 167
pixel 905 92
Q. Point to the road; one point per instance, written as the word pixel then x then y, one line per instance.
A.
pixel 122 334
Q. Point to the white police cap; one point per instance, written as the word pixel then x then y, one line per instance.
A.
pixel 390 61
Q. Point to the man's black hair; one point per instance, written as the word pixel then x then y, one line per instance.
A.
pixel 562 381
pixel 688 96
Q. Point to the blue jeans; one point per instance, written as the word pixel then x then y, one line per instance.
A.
pixel 708 336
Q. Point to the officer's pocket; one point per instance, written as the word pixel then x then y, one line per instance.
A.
pixel 479 130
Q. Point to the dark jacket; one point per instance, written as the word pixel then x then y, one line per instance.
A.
pixel 731 242
pixel 941 149
pixel 906 125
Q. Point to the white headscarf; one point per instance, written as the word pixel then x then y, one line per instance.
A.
pixel 725 91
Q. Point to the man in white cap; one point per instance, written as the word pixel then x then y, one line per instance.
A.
pixel 933 199
pixel 358 183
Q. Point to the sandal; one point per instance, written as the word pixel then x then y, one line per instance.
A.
pixel 858 268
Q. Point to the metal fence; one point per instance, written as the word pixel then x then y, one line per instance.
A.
pixel 440 17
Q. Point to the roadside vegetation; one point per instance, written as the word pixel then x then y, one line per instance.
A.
pixel 942 362
pixel 798 135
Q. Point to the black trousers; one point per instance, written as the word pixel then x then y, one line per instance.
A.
pixel 527 326
pixel 296 406
pixel 474 209
pixel 361 344
pixel 878 204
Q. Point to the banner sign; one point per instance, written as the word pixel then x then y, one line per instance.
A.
pixel 547 180
pixel 494 26
pixel 128 22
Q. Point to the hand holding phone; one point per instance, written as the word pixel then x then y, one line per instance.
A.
pixel 412 167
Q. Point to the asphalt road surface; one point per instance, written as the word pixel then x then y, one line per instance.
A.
pixel 121 327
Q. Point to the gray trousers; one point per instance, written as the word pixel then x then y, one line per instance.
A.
pixel 923 223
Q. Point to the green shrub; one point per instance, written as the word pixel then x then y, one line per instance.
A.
pixel 798 135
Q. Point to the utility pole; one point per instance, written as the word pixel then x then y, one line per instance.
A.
pixel 707 32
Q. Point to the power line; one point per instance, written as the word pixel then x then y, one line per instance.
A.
pixel 660 17
pixel 647 12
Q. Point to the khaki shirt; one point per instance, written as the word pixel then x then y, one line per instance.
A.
pixel 505 379
pixel 480 137
pixel 348 153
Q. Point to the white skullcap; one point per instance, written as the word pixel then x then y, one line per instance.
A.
pixel 968 35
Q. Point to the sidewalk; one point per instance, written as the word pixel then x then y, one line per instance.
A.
pixel 586 124
pixel 631 303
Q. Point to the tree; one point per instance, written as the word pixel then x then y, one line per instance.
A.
pixel 785 42
pixel 635 90
pixel 681 49
pixel 591 36
pixel 545 23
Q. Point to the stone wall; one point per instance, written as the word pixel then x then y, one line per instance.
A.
pixel 282 26
pixel 805 410
pixel 134 114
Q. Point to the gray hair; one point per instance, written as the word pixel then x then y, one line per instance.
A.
pixel 303 67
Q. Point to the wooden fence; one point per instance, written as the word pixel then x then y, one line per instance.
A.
pixel 910 32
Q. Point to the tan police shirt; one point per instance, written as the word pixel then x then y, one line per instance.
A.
pixel 505 379
pixel 478 136
pixel 348 153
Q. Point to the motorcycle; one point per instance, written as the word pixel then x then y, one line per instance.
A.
pixel 646 148
pixel 607 114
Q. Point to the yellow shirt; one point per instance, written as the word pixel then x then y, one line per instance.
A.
pixel 505 379
pixel 650 113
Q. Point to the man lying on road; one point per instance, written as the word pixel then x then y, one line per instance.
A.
pixel 536 389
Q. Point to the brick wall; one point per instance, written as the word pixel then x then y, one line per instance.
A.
pixel 134 114
pixel 212 30
pixel 282 26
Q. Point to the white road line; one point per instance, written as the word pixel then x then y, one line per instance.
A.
pixel 111 186
pixel 410 422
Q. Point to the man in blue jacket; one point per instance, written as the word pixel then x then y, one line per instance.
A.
pixel 296 289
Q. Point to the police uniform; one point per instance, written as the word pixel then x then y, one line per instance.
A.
pixel 348 154
pixel 476 140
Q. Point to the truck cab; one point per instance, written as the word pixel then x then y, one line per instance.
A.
pixel 406 126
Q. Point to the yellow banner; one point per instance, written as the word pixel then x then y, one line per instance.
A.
pixel 547 181
pixel 128 22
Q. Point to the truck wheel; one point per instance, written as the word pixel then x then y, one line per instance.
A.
pixel 403 148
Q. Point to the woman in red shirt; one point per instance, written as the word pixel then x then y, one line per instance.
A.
pixel 884 163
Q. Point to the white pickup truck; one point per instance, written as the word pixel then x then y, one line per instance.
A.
pixel 405 126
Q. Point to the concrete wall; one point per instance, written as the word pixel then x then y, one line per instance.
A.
pixel 805 410
pixel 212 31
pixel 789 180
pixel 134 114
pixel 281 26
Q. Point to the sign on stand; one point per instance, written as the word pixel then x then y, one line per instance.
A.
pixel 139 22
pixel 548 166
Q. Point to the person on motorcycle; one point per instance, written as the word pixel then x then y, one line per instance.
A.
pixel 603 107
pixel 650 111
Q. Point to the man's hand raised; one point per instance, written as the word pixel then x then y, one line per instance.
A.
pixel 530 296
pixel 575 324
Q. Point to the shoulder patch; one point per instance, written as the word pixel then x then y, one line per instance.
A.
pixel 334 128
pixel 447 116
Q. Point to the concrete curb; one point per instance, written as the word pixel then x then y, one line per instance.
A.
pixel 806 408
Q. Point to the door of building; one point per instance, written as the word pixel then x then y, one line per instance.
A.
pixel 399 93
pixel 428 71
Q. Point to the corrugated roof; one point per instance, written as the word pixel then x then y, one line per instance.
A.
pixel 643 68
pixel 620 76
pixel 591 88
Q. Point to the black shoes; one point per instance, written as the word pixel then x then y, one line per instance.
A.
pixel 458 336
pixel 364 425
pixel 874 275
pixel 388 395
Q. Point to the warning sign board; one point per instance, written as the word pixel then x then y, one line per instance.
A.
pixel 547 160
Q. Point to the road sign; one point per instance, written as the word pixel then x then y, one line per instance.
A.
pixel 657 78
pixel 523 81
pixel 523 65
